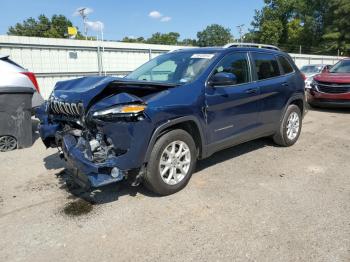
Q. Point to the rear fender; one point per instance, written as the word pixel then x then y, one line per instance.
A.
pixel 295 97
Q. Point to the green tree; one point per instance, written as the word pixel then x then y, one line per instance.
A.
pixel 270 24
pixel 164 39
pixel 319 26
pixel 56 27
pixel 214 35
pixel 188 42
pixel 271 32
pixel 337 34
pixel 133 40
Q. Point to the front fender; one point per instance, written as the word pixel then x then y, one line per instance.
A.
pixel 47 130
pixel 158 131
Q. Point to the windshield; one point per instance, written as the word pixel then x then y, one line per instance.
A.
pixel 310 69
pixel 173 68
pixel 341 67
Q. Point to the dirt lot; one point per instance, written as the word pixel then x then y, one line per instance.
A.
pixel 254 202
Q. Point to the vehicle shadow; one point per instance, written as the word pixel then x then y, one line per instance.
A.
pixel 330 110
pixel 102 195
pixel 233 152
pixel 113 192
pixel 53 162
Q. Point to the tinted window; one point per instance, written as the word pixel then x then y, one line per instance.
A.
pixel 286 66
pixel 236 64
pixel 266 65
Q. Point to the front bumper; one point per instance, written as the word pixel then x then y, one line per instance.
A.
pixel 130 139
pixel 85 171
pixel 329 100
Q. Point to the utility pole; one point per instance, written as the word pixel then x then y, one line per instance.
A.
pixel 240 31
pixel 83 14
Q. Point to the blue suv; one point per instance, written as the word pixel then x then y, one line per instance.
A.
pixel 153 125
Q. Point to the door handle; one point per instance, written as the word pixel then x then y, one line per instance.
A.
pixel 285 84
pixel 251 91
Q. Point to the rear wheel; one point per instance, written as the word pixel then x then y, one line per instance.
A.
pixel 290 127
pixel 172 162
pixel 7 143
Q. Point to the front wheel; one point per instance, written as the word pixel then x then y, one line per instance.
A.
pixel 172 162
pixel 290 127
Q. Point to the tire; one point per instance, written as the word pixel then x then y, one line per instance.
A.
pixel 163 150
pixel 284 136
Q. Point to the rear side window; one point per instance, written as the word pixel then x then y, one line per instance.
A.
pixel 266 66
pixel 286 66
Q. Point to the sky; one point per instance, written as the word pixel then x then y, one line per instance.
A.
pixel 135 18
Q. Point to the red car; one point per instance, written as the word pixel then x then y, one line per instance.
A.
pixel 331 88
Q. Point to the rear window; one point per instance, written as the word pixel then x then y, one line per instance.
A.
pixel 286 66
pixel 266 66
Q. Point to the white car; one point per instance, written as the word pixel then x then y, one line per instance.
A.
pixel 311 70
pixel 14 75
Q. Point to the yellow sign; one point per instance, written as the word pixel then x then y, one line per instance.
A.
pixel 72 31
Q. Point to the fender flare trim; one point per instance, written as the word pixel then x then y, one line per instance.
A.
pixel 168 124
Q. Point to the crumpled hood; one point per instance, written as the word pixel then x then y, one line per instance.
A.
pixel 338 78
pixel 81 89
pixel 110 90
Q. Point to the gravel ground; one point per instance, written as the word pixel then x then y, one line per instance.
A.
pixel 254 202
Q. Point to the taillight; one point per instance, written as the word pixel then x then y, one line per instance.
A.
pixel 32 78
pixel 303 76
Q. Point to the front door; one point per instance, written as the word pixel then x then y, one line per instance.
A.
pixel 232 111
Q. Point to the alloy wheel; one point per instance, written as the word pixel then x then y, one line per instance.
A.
pixel 7 143
pixel 293 124
pixel 175 162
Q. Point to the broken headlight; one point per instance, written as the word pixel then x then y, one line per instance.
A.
pixel 124 111
pixel 313 85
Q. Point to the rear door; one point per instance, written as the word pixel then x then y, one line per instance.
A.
pixel 273 85
pixel 232 111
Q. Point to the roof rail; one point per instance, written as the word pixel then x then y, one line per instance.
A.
pixel 251 45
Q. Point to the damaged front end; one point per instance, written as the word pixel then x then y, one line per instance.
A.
pixel 102 132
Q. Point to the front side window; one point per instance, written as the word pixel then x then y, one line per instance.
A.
pixel 173 68
pixel 236 64
pixel 266 66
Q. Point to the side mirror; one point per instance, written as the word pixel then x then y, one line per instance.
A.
pixel 223 79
